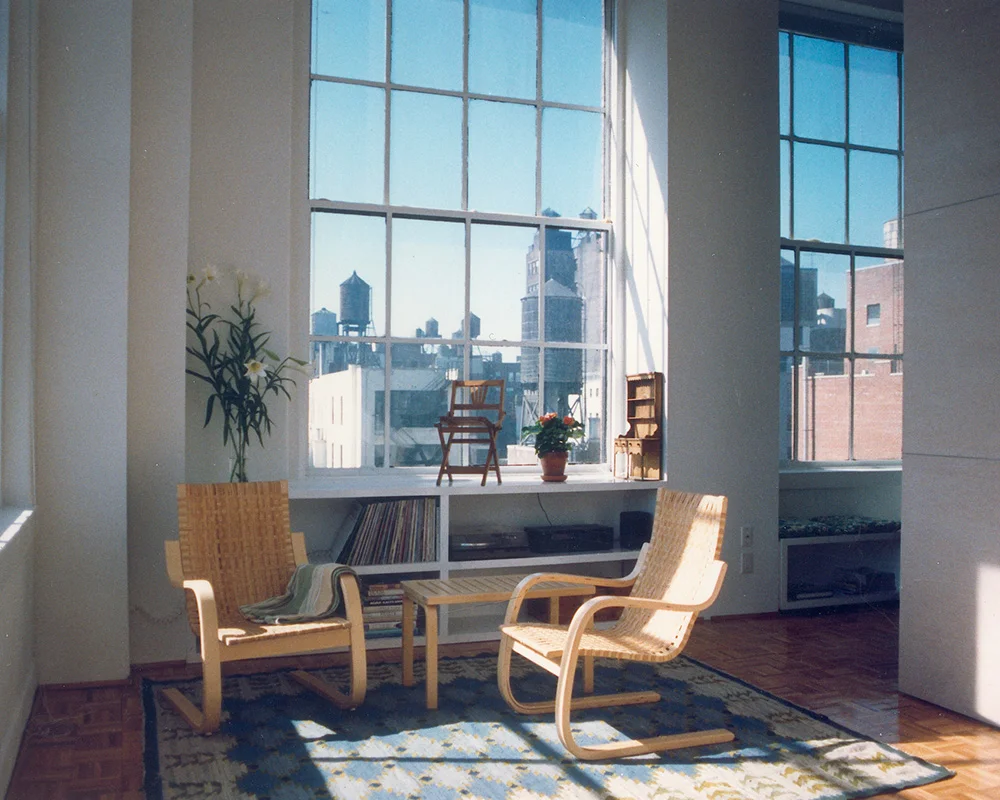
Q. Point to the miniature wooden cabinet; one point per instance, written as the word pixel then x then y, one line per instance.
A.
pixel 642 445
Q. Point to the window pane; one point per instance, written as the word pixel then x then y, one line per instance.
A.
pixel 824 410
pixel 428 278
pixel 874 97
pixel 575 386
pixel 572 46
pixel 824 297
pixel 574 285
pixel 787 339
pixel 820 193
pixel 349 39
pixel 345 427
pixel 874 198
pixel 878 282
pixel 500 302
pixel 786 412
pixel 819 85
pixel 347 294
pixel 347 143
pixel 572 163
pixel 502 39
pixel 784 85
pixel 501 133
pixel 427 43
pixel 786 189
pixel 425 159
pixel 419 396
pixel 503 363
pixel 878 409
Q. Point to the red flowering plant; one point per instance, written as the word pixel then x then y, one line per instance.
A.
pixel 553 433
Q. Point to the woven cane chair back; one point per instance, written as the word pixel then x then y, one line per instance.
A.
pixel 237 537
pixel 686 540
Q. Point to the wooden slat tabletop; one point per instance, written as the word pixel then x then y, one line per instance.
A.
pixel 486 589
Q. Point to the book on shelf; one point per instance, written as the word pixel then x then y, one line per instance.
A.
pixel 386 601
pixel 381 625
pixel 379 615
pixel 393 532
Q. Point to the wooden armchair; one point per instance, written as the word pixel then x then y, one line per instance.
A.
pixel 235 548
pixel 475 417
pixel 678 574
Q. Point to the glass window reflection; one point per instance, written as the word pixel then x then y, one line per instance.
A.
pixel 819 78
pixel 348 39
pixel 428 278
pixel 500 302
pixel 502 47
pixel 572 163
pixel 348 143
pixel 425 151
pixel 427 43
pixel 572 43
pixel 501 133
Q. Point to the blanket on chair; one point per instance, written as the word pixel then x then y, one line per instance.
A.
pixel 313 593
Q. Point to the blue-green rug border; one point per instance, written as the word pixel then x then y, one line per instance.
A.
pixel 153 784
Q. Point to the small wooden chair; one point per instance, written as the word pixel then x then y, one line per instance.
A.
pixel 678 574
pixel 235 548
pixel 474 418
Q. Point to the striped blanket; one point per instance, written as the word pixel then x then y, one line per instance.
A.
pixel 313 593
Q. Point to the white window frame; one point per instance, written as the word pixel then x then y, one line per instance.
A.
pixel 539 222
pixel 821 29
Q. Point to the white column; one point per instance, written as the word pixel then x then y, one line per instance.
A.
pixel 82 230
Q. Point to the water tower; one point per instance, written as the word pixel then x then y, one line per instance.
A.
pixel 355 306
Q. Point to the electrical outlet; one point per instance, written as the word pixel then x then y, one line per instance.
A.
pixel 746 563
pixel 746 536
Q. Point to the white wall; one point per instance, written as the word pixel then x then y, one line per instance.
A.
pixel 702 241
pixel 81 285
pixel 241 191
pixel 162 36
pixel 950 606
pixel 212 122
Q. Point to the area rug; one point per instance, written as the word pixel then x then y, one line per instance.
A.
pixel 280 742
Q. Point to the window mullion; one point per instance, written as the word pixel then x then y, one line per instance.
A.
pixel 538 111
pixel 465 109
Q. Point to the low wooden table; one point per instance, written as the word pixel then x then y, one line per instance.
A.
pixel 432 594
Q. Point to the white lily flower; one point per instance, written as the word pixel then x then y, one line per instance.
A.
pixel 263 289
pixel 255 369
pixel 210 273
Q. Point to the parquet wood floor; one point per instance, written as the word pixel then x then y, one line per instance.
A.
pixel 85 742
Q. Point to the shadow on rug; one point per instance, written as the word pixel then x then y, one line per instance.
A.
pixel 280 742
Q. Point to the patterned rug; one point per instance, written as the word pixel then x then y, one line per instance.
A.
pixel 281 742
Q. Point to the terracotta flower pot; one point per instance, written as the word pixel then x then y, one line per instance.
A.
pixel 554 466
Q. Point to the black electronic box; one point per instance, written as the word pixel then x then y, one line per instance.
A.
pixel 570 538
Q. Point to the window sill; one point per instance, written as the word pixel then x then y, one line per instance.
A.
pixel 424 484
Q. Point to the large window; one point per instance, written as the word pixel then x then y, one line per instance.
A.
pixel 842 257
pixel 457 177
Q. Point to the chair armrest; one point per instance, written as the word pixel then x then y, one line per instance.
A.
pixel 351 595
pixel 175 572
pixel 208 617
pixel 299 549
pixel 528 581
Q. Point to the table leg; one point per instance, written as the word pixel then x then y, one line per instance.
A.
pixel 431 654
pixel 407 641
pixel 554 610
